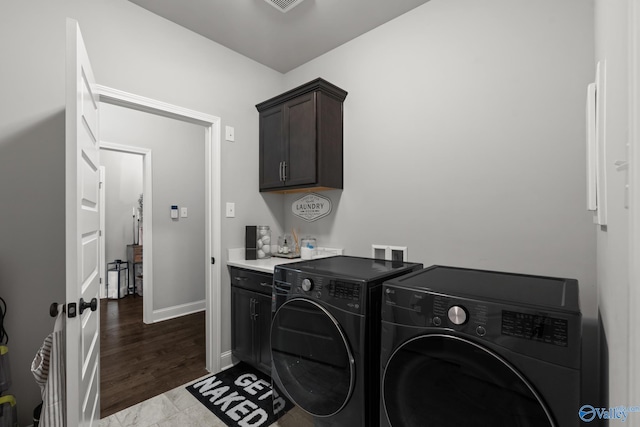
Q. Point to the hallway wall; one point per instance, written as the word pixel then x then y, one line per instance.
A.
pixel 178 168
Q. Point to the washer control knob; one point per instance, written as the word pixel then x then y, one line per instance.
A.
pixel 481 331
pixel 437 321
pixel 307 285
pixel 457 315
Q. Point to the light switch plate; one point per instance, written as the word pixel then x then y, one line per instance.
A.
pixel 183 212
pixel 229 133
pixel 231 210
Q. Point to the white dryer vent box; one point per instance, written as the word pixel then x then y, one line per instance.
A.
pixel 284 5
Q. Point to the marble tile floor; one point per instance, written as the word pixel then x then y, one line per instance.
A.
pixel 178 407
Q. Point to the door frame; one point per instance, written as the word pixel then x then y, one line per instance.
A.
pixel 213 227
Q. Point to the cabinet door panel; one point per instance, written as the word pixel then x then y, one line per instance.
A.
pixel 242 324
pixel 263 329
pixel 272 152
pixel 300 135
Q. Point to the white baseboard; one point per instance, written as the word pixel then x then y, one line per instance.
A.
pixel 226 360
pixel 178 311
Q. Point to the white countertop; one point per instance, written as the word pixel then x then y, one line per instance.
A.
pixel 235 258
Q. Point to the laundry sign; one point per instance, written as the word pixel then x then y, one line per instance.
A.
pixel 311 207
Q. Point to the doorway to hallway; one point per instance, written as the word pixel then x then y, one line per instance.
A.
pixel 175 284
pixel 122 219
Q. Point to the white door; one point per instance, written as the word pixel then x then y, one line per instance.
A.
pixel 82 235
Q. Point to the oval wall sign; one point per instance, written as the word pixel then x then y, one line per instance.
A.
pixel 311 207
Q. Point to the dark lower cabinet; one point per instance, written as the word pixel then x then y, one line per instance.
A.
pixel 251 317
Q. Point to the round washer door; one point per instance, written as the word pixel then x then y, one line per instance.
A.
pixel 311 357
pixel 442 380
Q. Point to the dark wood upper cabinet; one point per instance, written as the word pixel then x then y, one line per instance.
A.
pixel 301 139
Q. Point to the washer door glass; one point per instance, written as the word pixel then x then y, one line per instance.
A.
pixel 442 380
pixel 311 357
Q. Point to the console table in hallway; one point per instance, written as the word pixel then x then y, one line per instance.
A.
pixel 134 257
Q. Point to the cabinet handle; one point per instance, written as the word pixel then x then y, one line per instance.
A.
pixel 266 284
pixel 284 171
pixel 280 171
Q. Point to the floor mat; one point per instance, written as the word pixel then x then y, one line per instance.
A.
pixel 241 396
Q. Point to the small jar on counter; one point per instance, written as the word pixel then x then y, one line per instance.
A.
pixel 264 242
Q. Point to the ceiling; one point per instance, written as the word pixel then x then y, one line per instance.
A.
pixel 282 41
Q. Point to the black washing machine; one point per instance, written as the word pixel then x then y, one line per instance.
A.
pixel 325 336
pixel 473 348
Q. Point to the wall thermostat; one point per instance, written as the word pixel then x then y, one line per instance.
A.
pixel 174 211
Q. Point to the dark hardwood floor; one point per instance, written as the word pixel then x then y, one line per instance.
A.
pixel 140 361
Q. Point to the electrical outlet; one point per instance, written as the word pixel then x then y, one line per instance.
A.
pixel 397 255
pixel 391 253
pixel 378 252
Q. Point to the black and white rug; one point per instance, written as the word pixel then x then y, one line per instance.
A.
pixel 241 396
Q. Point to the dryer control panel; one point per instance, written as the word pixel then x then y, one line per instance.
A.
pixel 419 308
pixel 521 329
pixel 537 327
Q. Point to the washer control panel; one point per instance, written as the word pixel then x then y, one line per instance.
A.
pixel 307 284
pixel 535 327
pixel 344 290
pixel 346 295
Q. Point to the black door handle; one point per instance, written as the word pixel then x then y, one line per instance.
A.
pixel 93 305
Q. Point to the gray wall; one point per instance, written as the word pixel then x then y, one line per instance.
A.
pixel 177 152
pixel 465 142
pixel 130 50
pixel 464 138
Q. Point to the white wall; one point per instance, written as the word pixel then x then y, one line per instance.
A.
pixel 132 50
pixel 123 186
pixel 464 138
pixel 611 27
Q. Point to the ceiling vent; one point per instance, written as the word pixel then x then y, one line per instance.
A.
pixel 284 5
